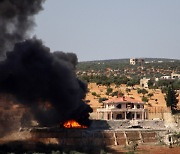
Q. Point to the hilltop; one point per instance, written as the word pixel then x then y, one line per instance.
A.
pixel 119 63
pixel 119 76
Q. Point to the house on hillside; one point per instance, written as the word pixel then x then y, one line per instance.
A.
pixel 122 108
pixel 175 76
pixel 171 77
pixel 135 61
pixel 144 82
pixel 166 77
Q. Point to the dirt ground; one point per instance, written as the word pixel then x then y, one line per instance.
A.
pixel 145 149
pixel 149 149
pixel 101 91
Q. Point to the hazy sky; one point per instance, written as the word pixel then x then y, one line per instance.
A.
pixel 111 29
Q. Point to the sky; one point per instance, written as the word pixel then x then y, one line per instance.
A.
pixel 111 29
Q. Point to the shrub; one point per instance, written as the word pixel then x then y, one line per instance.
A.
pixel 150 95
pixel 115 93
pixel 138 90
pixel 98 95
pixel 164 89
pixel 109 90
pixel 101 99
pixel 94 93
pixel 145 99
pixel 144 91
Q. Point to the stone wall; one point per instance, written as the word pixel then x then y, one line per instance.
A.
pixel 89 137
pixel 102 133
pixel 125 124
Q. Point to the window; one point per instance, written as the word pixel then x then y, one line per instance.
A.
pixel 138 116
pixel 119 116
pixel 119 106
pixel 133 115
pixel 108 117
pixel 129 106
pixel 138 106
pixel 132 105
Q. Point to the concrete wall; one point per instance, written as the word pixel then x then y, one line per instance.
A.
pixel 102 133
pixel 85 137
pixel 152 116
pixel 125 124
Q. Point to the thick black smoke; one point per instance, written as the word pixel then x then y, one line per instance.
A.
pixel 71 58
pixel 45 82
pixel 16 19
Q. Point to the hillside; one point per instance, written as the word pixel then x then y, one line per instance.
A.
pixel 156 103
pixel 119 63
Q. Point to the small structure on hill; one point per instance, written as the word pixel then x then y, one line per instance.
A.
pixel 135 61
pixel 166 77
pixel 122 108
pixel 144 82
pixel 175 76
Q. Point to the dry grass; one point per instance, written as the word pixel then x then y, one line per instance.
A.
pixel 101 90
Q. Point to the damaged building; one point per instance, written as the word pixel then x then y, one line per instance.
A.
pixel 122 108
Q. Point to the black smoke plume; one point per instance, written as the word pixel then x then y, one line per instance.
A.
pixel 16 19
pixel 45 82
pixel 69 57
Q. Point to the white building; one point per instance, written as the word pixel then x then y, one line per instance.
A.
pixel 135 61
pixel 165 77
pixel 175 76
pixel 122 108
pixel 144 82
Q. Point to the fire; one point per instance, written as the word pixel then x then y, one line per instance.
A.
pixel 73 124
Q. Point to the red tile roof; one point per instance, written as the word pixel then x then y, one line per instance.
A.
pixel 123 100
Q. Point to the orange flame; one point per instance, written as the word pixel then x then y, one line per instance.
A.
pixel 73 124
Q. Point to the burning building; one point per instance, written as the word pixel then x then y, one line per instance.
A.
pixel 44 83
pixel 122 108
pixel 43 86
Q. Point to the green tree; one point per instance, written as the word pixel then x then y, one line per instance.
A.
pixel 151 84
pixel 145 99
pixel 94 93
pixel 131 83
pixel 101 99
pixel 138 90
pixel 144 91
pixel 120 94
pixel 171 99
pixel 164 89
pixel 109 90
pixel 115 93
pixel 176 84
pixel 164 83
pixel 128 91
pixel 150 95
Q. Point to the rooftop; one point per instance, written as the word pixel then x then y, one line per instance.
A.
pixel 123 100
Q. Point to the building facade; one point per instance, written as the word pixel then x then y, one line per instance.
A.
pixel 175 76
pixel 135 61
pixel 144 82
pixel 122 108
